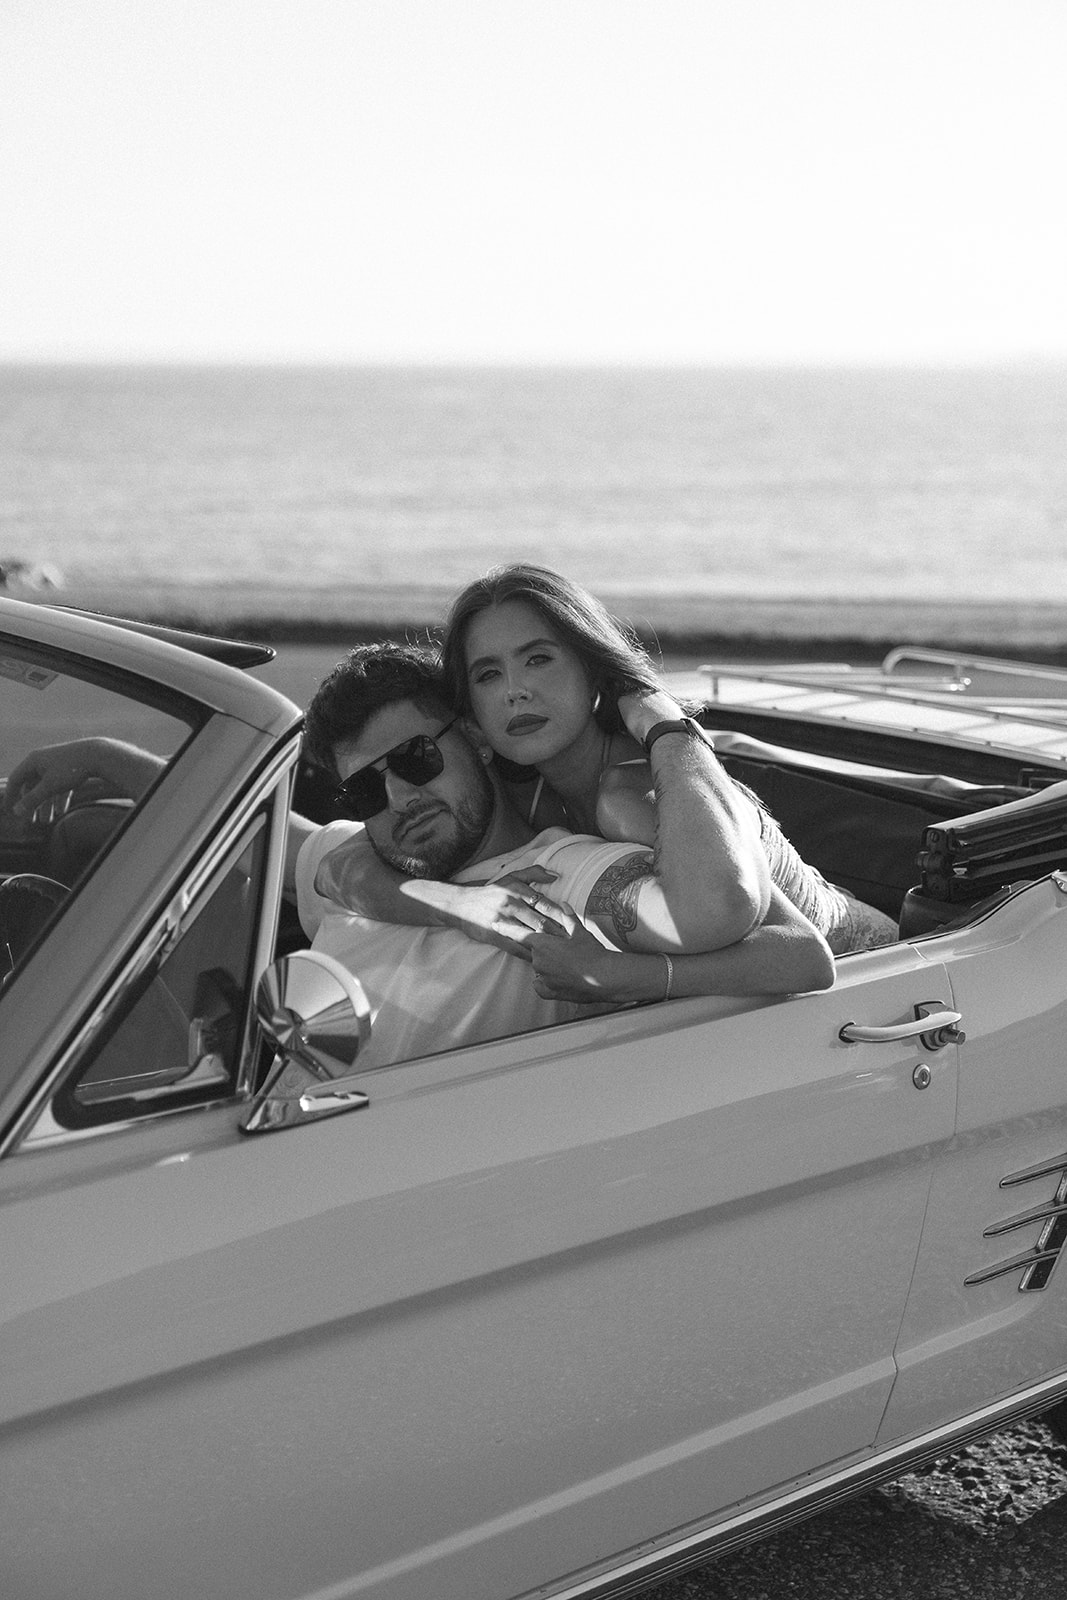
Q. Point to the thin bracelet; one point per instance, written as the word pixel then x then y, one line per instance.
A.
pixel 670 973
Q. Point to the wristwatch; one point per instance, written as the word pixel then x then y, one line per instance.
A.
pixel 687 725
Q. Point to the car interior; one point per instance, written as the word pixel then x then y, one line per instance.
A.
pixel 929 849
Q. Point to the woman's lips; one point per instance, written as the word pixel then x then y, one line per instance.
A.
pixel 520 725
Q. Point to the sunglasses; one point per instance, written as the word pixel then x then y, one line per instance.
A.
pixel 417 760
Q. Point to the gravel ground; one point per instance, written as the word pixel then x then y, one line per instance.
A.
pixel 988 1523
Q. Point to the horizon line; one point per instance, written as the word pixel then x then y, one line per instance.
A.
pixel 546 363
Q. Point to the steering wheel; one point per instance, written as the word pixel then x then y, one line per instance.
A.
pixel 27 901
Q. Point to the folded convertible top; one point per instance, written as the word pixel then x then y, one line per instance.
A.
pixel 965 858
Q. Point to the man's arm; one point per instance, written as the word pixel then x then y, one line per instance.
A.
pixel 117 768
pixel 707 882
pixel 355 879
pixel 299 829
pixel 358 880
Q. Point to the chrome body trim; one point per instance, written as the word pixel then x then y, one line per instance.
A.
pixel 1023 1218
pixel 1038 1263
pixel 1028 1259
pixel 1044 1169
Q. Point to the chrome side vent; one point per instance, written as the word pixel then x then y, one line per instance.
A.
pixel 1038 1263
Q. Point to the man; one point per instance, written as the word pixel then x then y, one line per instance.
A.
pixel 422 784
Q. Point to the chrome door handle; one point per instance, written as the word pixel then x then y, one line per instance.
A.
pixel 935 1026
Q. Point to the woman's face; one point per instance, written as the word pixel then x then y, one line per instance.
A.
pixel 529 691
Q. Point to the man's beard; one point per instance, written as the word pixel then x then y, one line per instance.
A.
pixel 446 850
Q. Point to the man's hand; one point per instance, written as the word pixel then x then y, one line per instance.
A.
pixel 96 767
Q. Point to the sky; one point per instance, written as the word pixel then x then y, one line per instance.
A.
pixel 572 181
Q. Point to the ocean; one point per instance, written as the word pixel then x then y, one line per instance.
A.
pixel 691 490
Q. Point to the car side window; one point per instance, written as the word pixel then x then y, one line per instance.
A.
pixel 176 1041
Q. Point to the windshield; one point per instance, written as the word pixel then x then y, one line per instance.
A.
pixel 80 747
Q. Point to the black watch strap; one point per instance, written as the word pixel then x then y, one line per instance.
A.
pixel 686 725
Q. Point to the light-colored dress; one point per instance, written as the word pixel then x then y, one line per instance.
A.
pixel 847 924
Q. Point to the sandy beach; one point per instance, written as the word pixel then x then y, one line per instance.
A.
pixel 731 626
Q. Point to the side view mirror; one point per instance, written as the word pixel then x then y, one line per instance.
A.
pixel 317 1017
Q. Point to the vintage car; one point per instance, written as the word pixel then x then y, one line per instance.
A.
pixel 556 1315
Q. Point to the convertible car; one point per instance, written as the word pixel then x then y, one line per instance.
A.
pixel 557 1315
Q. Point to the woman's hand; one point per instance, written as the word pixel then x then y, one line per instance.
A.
pixel 643 708
pixel 100 765
pixel 570 963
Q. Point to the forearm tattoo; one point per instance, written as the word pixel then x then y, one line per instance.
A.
pixel 616 891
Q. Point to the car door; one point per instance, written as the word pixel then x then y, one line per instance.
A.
pixel 988 1310
pixel 538 1302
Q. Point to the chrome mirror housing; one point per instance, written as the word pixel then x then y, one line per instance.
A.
pixel 317 1016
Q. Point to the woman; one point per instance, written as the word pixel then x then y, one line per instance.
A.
pixel 550 677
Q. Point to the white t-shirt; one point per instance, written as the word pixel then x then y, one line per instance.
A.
pixel 433 989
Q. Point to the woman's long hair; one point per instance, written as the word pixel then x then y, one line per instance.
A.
pixel 613 656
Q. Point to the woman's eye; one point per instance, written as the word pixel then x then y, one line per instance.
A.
pixel 538 660
pixel 486 675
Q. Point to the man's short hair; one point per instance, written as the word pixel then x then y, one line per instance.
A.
pixel 370 676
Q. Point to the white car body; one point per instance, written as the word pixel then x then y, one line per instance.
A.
pixel 558 1314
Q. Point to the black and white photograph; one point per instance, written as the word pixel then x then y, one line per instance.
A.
pixel 533 800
